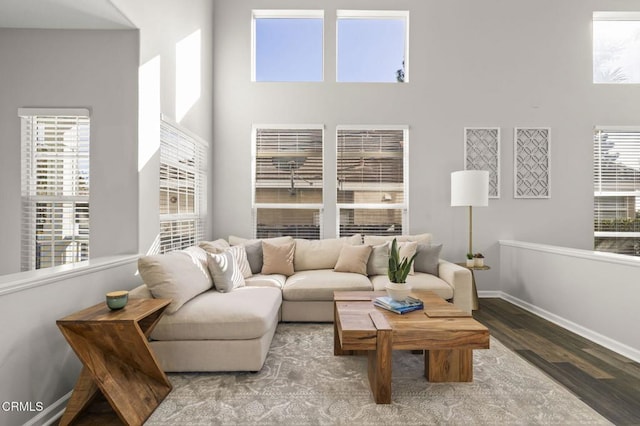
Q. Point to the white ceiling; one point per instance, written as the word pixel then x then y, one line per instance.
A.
pixel 62 14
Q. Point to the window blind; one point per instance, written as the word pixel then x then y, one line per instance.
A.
pixel 371 179
pixel 288 181
pixel 55 187
pixel 182 187
pixel 617 191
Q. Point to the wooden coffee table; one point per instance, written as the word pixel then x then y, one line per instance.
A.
pixel 446 334
pixel 118 362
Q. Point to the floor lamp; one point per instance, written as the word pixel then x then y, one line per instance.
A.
pixel 470 188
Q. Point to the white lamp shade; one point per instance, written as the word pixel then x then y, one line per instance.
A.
pixel 470 188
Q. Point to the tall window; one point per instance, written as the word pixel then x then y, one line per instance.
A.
pixel 55 187
pixel 373 46
pixel 183 190
pixel 372 180
pixel 616 47
pixel 288 181
pixel 287 45
pixel 616 159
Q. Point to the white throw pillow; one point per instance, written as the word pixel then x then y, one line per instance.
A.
pixel 378 263
pixel 240 254
pixel 178 275
pixel 225 272
pixel 408 249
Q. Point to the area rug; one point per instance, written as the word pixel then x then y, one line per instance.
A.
pixel 303 383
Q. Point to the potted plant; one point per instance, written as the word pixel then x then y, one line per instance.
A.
pixel 478 260
pixel 470 260
pixel 398 289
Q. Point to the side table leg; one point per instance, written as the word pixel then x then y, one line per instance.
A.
pixel 84 392
pixel 380 368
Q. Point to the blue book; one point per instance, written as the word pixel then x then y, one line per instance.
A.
pixel 407 305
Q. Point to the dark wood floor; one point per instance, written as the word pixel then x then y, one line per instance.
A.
pixel 606 381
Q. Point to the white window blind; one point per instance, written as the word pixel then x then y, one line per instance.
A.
pixel 288 181
pixel 183 193
pixel 55 187
pixel 372 180
pixel 617 191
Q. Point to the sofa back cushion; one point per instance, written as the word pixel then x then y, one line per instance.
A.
pixel 321 254
pixel 179 275
pixel 375 240
pixel 217 246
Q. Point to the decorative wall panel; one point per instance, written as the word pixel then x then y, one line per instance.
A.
pixel 482 152
pixel 532 168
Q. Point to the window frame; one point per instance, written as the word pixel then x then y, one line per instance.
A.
pixel 404 206
pixel 598 193
pixel 199 215
pixel 285 206
pixel 284 14
pixel 375 15
pixel 31 260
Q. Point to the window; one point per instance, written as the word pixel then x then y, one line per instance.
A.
pixel 616 159
pixel 287 45
pixel 372 180
pixel 373 46
pixel 55 187
pixel 288 181
pixel 616 47
pixel 183 191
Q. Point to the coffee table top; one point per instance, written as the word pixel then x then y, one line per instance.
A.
pixel 439 326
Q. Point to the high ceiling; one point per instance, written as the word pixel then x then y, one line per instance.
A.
pixel 62 14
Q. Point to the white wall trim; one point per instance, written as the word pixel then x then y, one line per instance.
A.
pixel 25 280
pixel 579 253
pixel 51 414
pixel 595 337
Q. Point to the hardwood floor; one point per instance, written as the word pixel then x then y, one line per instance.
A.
pixel 606 381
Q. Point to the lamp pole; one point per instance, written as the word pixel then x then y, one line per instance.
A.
pixel 470 229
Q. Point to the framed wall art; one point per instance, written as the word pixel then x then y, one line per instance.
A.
pixel 482 152
pixel 532 162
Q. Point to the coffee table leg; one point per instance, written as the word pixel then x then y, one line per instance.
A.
pixel 448 365
pixel 380 368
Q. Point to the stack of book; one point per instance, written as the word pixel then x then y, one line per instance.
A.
pixel 407 305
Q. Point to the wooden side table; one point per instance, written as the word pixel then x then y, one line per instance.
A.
pixel 475 306
pixel 117 360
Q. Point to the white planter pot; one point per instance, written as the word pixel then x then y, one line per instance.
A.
pixel 478 262
pixel 471 263
pixel 397 291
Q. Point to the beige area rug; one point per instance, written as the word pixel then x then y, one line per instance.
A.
pixel 303 383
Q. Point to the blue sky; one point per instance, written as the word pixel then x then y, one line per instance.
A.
pixel 369 50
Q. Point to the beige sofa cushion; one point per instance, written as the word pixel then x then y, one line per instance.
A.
pixel 353 259
pixel 246 313
pixel 320 254
pixel 271 280
pixel 179 275
pixel 217 246
pixel 320 284
pixel 234 240
pixel 418 281
pixel 375 240
pixel 278 258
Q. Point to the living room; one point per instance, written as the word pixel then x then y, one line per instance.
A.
pixel 470 64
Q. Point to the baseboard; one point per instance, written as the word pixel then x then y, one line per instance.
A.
pixel 614 345
pixel 51 414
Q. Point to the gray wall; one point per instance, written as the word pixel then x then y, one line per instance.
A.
pixel 472 63
pixel 93 69
pixel 163 25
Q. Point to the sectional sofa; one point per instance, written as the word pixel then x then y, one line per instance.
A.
pixel 218 324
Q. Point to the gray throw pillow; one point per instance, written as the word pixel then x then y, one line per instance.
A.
pixel 254 256
pixel 427 258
